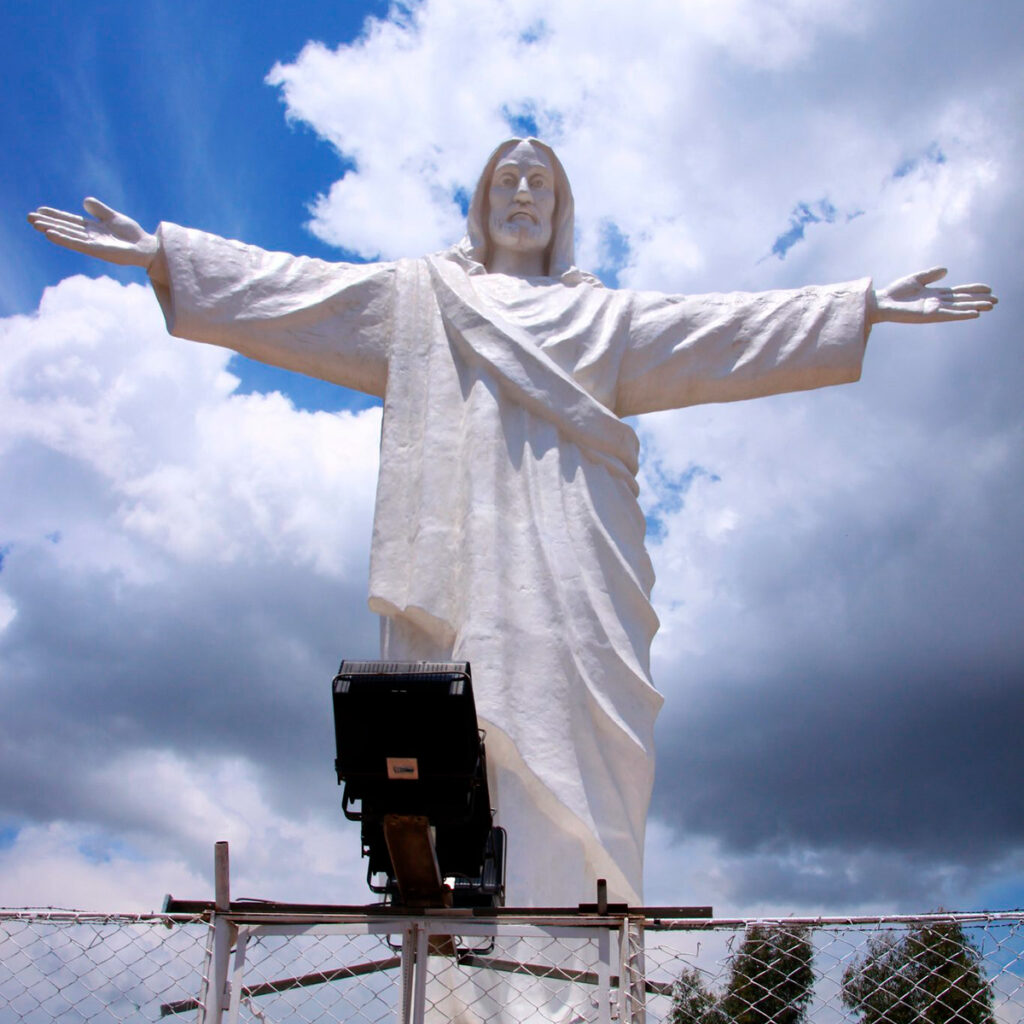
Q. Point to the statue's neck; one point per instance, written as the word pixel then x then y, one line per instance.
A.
pixel 517 264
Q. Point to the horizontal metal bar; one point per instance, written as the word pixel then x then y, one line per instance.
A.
pixel 656 918
pixel 286 984
pixel 657 988
pixel 535 970
pixel 93 916
pixel 672 912
pixel 320 977
pixel 656 923
pixel 199 907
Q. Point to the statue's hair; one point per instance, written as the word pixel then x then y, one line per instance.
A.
pixel 476 246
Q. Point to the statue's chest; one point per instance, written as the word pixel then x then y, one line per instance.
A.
pixel 581 329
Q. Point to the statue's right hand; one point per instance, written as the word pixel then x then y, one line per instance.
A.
pixel 106 234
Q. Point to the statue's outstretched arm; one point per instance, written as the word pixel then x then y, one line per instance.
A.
pixel 106 234
pixel 910 300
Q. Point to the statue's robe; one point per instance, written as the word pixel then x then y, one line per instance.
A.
pixel 507 530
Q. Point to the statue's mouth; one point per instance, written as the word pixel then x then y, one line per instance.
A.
pixel 523 213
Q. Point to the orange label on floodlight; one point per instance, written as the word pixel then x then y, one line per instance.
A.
pixel 403 768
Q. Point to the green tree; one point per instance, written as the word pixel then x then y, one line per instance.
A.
pixel 931 975
pixel 771 979
pixel 693 1002
pixel 770 982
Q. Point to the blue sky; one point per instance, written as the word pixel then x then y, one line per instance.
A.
pixel 185 535
pixel 100 118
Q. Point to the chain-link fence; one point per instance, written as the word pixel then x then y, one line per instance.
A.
pixel 641 967
pixel 57 966
pixel 931 969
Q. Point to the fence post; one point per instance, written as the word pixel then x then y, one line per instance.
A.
pixel 407 968
pixel 624 1001
pixel 633 973
pixel 604 974
pixel 217 991
pixel 419 997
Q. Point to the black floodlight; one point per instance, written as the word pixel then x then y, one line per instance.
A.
pixel 413 763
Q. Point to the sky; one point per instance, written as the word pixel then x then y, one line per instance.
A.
pixel 184 535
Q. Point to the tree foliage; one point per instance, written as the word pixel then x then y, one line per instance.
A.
pixel 771 978
pixel 931 975
pixel 770 982
pixel 693 1002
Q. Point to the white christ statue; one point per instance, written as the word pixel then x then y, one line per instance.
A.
pixel 507 531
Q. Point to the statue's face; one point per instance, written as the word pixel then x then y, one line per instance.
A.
pixel 522 200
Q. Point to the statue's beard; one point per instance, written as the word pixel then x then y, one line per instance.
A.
pixel 521 234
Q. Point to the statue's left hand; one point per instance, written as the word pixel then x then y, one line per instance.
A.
pixel 910 300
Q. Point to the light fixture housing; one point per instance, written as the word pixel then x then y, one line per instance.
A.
pixel 408 744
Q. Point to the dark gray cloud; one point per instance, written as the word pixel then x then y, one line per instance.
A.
pixel 814 758
pixel 234 662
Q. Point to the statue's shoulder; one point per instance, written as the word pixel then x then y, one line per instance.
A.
pixel 574 276
pixel 454 255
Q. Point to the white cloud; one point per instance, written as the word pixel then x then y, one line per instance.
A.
pixel 263 477
pixel 627 97
pixel 197 800
pixel 7 611
pixel 169 811
pixel 197 472
pixel 59 865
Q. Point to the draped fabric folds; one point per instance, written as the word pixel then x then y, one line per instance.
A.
pixel 507 530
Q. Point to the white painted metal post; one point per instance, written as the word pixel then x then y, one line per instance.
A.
pixel 216 990
pixel 408 965
pixel 419 1007
pixel 633 975
pixel 624 1001
pixel 237 974
pixel 604 975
